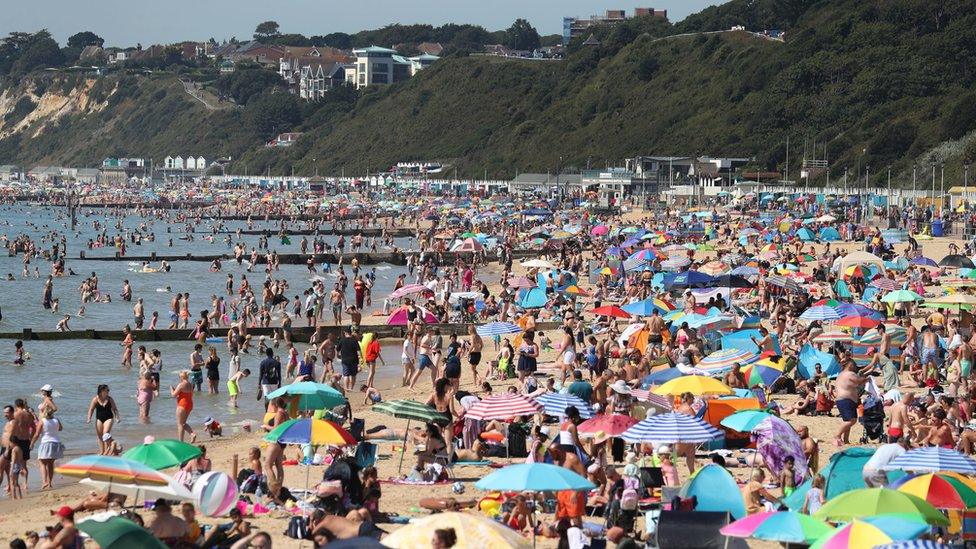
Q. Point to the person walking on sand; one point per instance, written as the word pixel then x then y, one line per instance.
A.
pixel 49 447
pixel 183 393
pixel 477 345
pixel 106 414
pixel 847 388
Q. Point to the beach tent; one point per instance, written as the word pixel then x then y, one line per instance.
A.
pixel 532 298
pixel 715 490
pixel 805 234
pixel 742 340
pixel 841 474
pixel 829 234
pixel 857 258
pixel 809 358
pixel 399 317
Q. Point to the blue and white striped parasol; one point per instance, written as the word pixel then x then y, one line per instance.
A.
pixel 933 460
pixel 671 428
pixel 820 312
pixel 914 544
pixel 725 359
pixel 497 328
pixel 555 404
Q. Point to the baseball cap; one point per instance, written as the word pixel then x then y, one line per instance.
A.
pixel 65 512
pixel 208 421
pixel 107 437
pixel 47 387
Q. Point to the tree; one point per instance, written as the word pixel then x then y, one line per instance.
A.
pixel 339 40
pixel 266 30
pixel 84 39
pixel 40 51
pixel 272 113
pixel 523 36
pixel 248 82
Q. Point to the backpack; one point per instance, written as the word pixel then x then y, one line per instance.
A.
pixel 629 497
pixel 297 528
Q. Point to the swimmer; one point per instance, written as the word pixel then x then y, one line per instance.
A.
pixel 63 324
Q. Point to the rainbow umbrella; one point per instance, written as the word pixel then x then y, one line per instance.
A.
pixel 873 531
pixel 782 526
pixel 113 469
pixel 317 432
pixel 861 322
pixel 943 490
pixel 761 374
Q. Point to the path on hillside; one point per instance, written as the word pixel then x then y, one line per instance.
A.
pixel 684 34
pixel 193 91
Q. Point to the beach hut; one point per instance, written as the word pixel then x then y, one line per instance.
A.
pixel 716 490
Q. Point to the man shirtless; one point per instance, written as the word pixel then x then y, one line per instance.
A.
pixel 22 431
pixel 811 449
pixel 899 423
pixel 337 299
pixel 8 415
pixel 569 504
pixel 847 392
pixel 930 347
pixel 474 354
pixel 683 448
pixel 655 329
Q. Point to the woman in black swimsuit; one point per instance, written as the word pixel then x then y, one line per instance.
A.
pixel 106 413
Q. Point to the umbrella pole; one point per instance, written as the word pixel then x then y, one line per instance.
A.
pixel 403 449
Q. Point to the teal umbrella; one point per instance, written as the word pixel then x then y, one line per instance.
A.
pixel 119 533
pixel 744 421
pixel 901 296
pixel 311 395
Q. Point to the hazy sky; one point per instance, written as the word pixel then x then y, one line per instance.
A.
pixel 127 22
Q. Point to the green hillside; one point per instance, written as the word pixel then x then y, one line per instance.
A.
pixel 875 82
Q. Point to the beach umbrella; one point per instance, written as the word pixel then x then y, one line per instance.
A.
pixel 760 374
pixel 661 376
pixel 311 395
pixel 901 296
pixel 716 490
pixel 675 262
pixel 725 359
pixel 163 453
pixel 115 532
pixel 744 421
pixel 409 289
pixel 599 230
pixel 611 424
pixel 534 477
pixel 538 264
pixel 781 526
pixel 112 469
pixel 687 279
pixel 921 260
pixel 503 406
pixel 783 282
pixel 671 428
pixel 174 491
pixel 856 309
pixel 521 282
pixel 872 531
pixel 861 322
pixel 470 245
pixel 953 299
pixel 886 284
pixel 942 490
pixel 714 268
pixel 472 530
pixel 410 410
pixel 933 460
pixel 611 311
pixel 555 404
pixel 914 544
pixel 696 385
pixel 876 501
pixel 644 307
pixel 317 432
pixel 497 328
pixel 956 260
pixel 831 337
pixel 820 313
pixel 745 270
pixel 776 440
pixel 731 281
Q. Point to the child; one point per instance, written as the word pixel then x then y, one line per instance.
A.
pixel 814 498
pixel 371 491
pixel 233 386
pixel 545 341
pixel 17 466
pixel 536 447
pixel 20 355
pixel 213 428
pixel 153 320
pixel 787 477
pixel 372 394
pixel 193 530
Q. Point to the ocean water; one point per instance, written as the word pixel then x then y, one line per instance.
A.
pixel 77 367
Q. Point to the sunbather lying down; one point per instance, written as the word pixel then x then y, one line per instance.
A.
pixel 447 504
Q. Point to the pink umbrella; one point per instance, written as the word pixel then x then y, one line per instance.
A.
pixel 521 282
pixel 399 317
pixel 599 230
pixel 503 407
pixel 409 289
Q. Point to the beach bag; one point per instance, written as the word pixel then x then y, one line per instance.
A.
pixel 297 528
pixel 629 497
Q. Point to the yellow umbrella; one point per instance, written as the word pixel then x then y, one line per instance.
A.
pixel 473 530
pixel 696 385
pixel 955 299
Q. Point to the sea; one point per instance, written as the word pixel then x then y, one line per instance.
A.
pixel 76 367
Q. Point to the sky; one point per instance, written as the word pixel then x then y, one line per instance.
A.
pixel 128 22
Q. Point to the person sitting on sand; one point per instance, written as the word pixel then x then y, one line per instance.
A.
pixel 805 405
pixel 333 527
pixel 166 526
pixel 67 533
pixel 520 517
pixel 447 504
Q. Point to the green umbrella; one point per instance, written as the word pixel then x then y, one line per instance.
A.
pixel 411 410
pixel 311 395
pixel 877 501
pixel 119 533
pixel 162 453
pixel 902 296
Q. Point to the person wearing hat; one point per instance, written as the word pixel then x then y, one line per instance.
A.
pixel 109 446
pixel 668 470
pixel 621 400
pixel 67 536
pixel 47 399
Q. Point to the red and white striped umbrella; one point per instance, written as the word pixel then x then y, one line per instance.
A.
pixel 886 284
pixel 830 337
pixel 503 407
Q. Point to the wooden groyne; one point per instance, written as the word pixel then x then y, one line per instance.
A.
pixel 368 258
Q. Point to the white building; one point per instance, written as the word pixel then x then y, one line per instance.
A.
pixel 379 66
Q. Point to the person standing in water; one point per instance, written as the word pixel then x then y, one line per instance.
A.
pixel 106 414
pixel 183 393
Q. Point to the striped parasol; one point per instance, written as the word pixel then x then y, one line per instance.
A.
pixel 410 410
pixel 821 313
pixel 497 328
pixel 725 359
pixel 113 469
pixel 521 282
pixel 671 428
pixel 933 459
pixel 675 263
pixel 830 337
pixel 714 268
pixel 555 404
pixel 409 289
pixel 787 284
pixel 658 401
pixel 503 407
pixel 612 424
pixel 886 284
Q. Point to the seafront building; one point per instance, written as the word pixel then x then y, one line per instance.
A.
pixel 576 26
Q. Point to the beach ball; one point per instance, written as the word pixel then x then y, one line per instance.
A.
pixel 457 488
pixel 215 493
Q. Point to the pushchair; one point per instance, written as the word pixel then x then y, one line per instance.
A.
pixel 873 420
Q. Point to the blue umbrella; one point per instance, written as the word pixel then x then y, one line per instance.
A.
pixel 914 544
pixel 687 279
pixel 856 309
pixel 643 308
pixel 745 270
pixel 497 328
pixel 744 421
pixel 534 477
pixel 933 460
pixel 555 404
pixel 661 377
pixel 671 428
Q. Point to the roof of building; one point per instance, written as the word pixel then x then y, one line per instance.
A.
pixel 424 57
pixel 374 49
pixel 591 41
pixel 430 48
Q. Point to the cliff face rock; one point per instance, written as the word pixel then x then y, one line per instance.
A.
pixel 35 106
